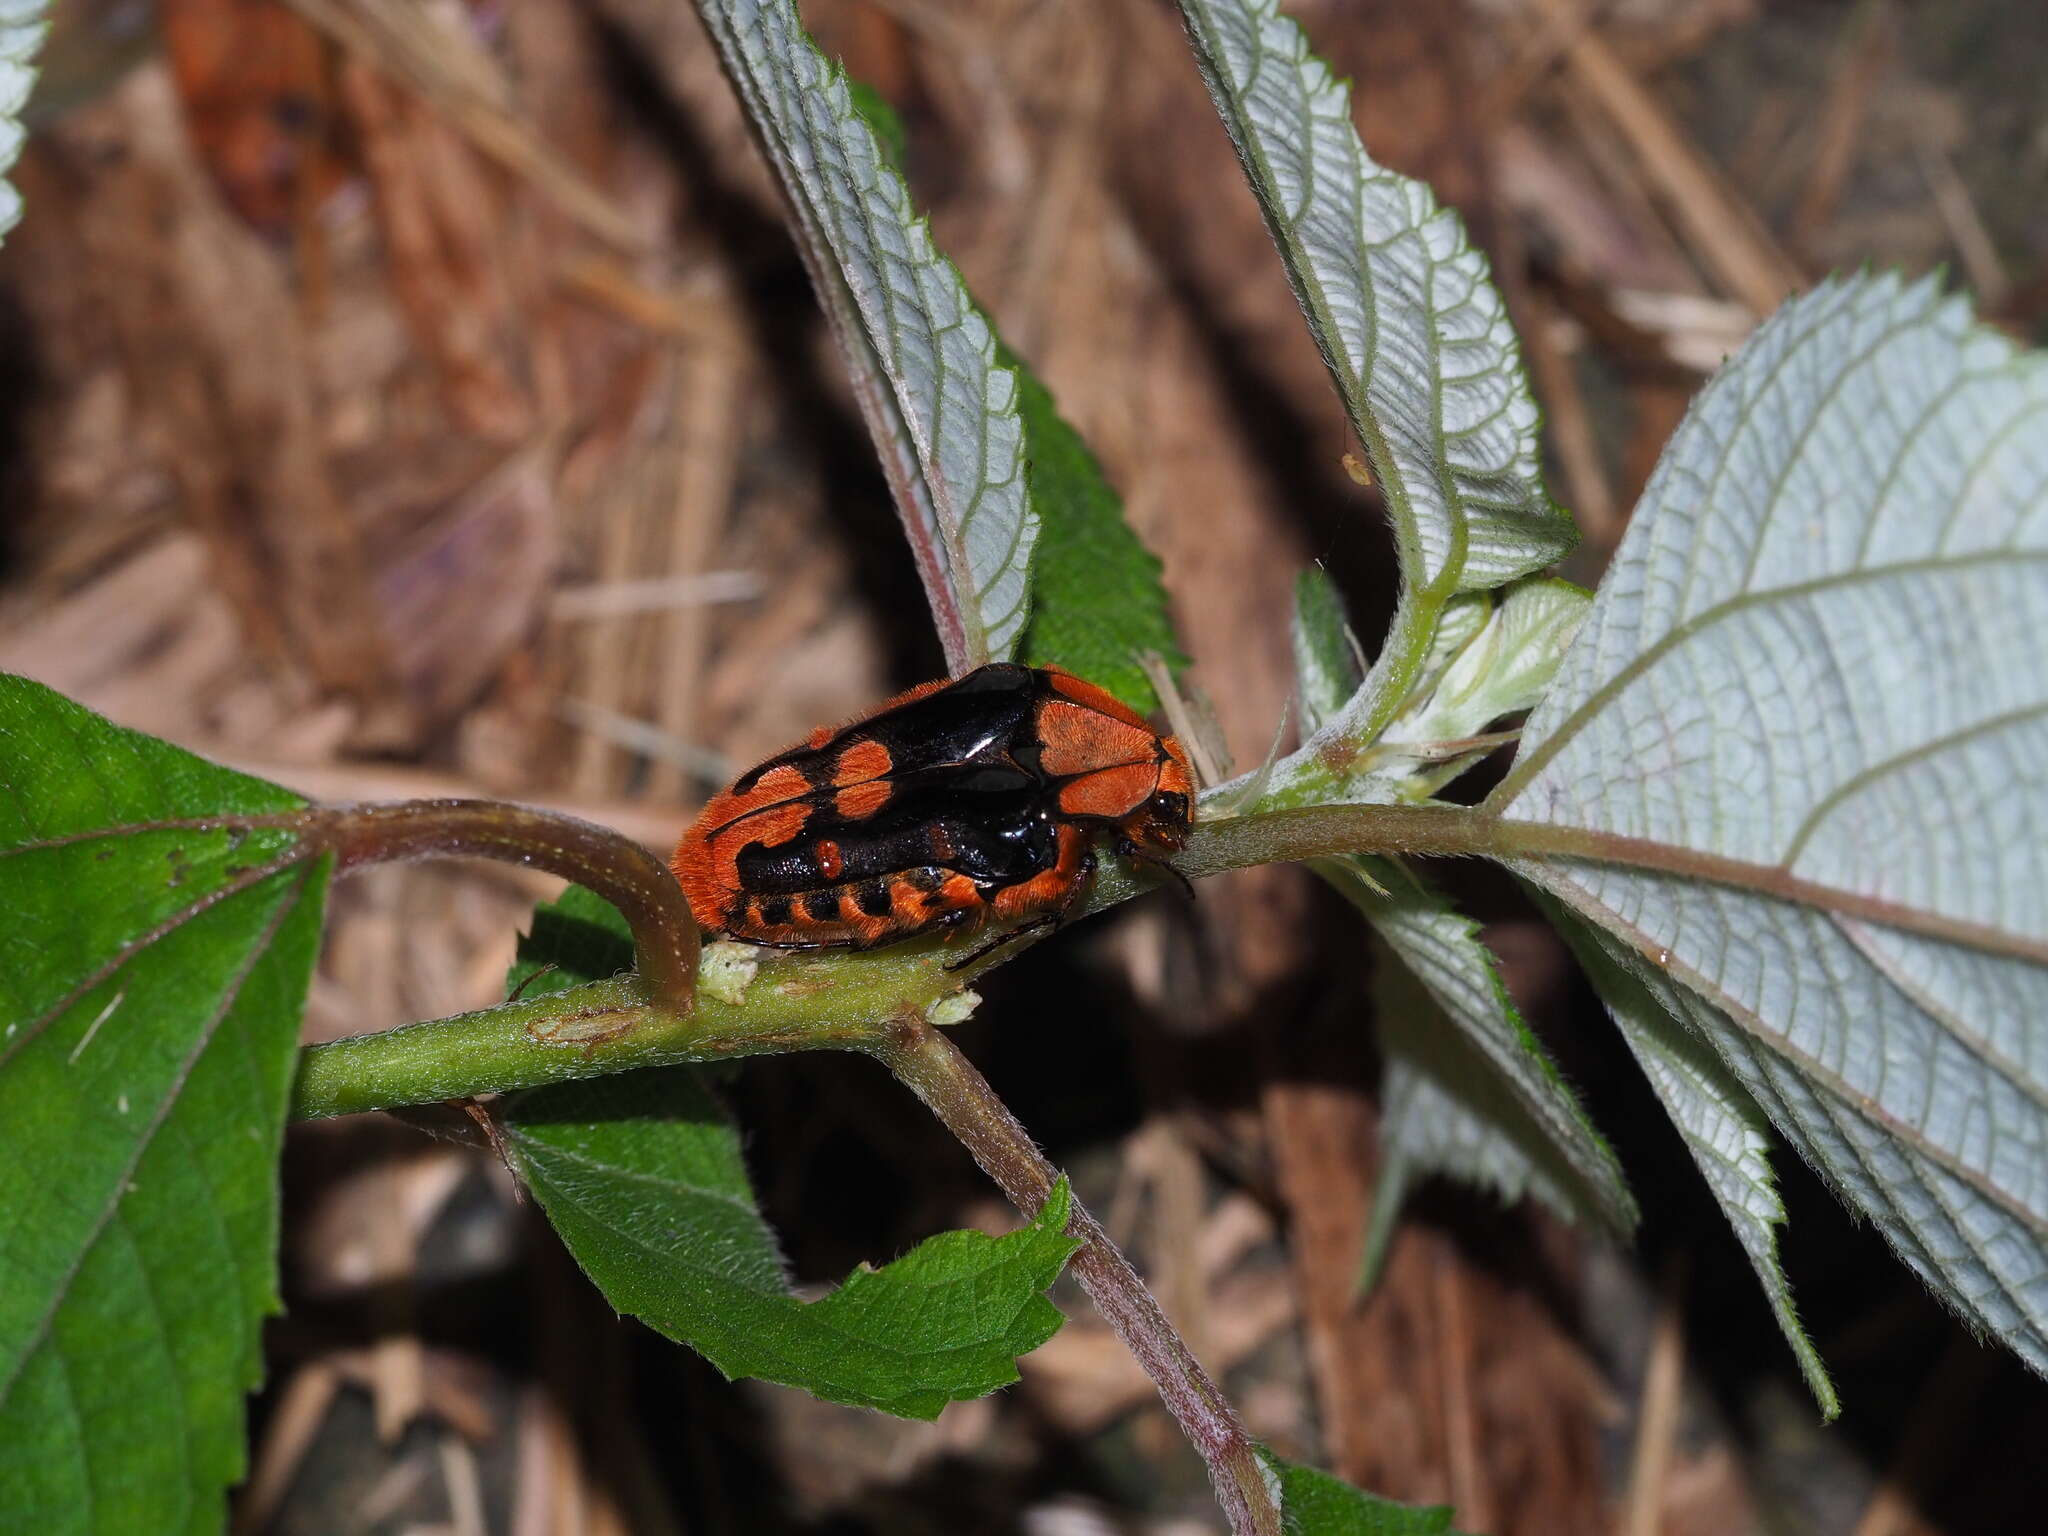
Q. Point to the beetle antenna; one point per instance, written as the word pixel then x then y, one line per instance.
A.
pixel 1142 856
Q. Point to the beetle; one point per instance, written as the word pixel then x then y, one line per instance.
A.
pixel 963 800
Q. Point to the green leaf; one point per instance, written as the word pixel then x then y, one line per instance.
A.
pixel 578 939
pixel 1316 1504
pixel 642 1174
pixel 1810 709
pixel 1328 664
pixel 1499 653
pixel 1721 1125
pixel 940 404
pixel 1493 655
pixel 1416 337
pixel 1097 603
pixel 151 982
pixel 22 27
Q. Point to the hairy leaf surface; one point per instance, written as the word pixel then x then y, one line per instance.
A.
pixel 1328 664
pixel 643 1177
pixel 151 981
pixel 1813 695
pixel 942 407
pixel 1097 602
pixel 1414 333
pixel 1501 670
pixel 1721 1125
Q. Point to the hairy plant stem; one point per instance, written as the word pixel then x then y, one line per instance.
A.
pixel 665 939
pixel 934 1069
pixel 794 1002
pixel 1311 832
pixel 819 1000
pixel 827 1003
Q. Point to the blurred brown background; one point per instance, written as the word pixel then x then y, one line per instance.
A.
pixel 402 399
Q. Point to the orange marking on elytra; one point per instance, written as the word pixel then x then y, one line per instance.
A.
pixel 1175 774
pixel 955 892
pixel 860 762
pixel 906 903
pixel 693 870
pixel 910 696
pixel 858 801
pixel 776 786
pixel 866 929
pixel 1048 888
pixel 771 827
pixel 1091 697
pixel 1080 740
pixel 1107 765
pixel 1111 792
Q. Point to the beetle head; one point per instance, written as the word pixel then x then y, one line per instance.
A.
pixel 1160 822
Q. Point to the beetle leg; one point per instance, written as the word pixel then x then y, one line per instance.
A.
pixel 1082 880
pixel 1049 919
pixel 1055 919
pixel 967 920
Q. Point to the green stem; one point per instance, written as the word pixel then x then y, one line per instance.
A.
pixel 821 1002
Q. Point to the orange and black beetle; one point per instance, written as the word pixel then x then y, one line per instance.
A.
pixel 962 800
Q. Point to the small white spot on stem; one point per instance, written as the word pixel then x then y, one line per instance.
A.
pixel 956 1008
pixel 727 968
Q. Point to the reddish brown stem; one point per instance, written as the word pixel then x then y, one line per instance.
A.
pixel 935 1070
pixel 665 936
